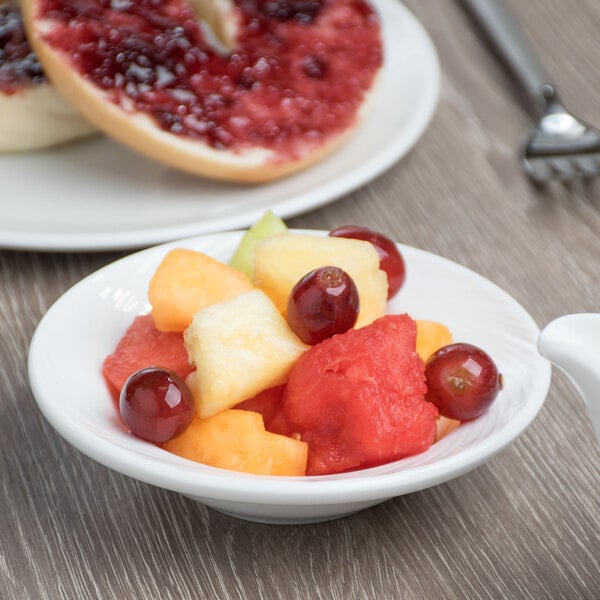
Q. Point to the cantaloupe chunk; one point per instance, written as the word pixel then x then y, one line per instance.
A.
pixel 280 262
pixel 187 281
pixel 240 347
pixel 431 336
pixel 444 426
pixel 237 440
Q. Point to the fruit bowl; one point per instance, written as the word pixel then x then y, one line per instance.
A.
pixel 85 324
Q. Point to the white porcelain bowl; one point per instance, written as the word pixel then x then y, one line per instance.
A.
pixel 85 324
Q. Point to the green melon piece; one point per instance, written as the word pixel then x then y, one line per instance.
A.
pixel 267 226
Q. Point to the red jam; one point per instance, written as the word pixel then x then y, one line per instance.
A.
pixel 297 74
pixel 19 66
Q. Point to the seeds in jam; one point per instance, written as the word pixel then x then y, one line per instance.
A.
pixel 19 65
pixel 284 10
pixel 298 72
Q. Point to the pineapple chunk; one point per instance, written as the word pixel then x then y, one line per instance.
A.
pixel 240 347
pixel 237 440
pixel 280 262
pixel 187 281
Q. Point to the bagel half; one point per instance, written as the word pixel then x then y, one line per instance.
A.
pixel 281 85
pixel 32 113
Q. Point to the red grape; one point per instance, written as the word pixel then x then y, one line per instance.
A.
pixel 156 404
pixel 324 302
pixel 390 259
pixel 462 381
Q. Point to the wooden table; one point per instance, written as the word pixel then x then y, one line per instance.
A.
pixel 525 525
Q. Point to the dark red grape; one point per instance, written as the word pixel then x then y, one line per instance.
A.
pixel 390 259
pixel 462 381
pixel 156 404
pixel 324 302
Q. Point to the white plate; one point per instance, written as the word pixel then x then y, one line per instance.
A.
pixel 84 326
pixel 97 194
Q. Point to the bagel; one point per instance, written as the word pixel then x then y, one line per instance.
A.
pixel 32 113
pixel 239 90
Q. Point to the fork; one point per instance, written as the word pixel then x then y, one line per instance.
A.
pixel 560 146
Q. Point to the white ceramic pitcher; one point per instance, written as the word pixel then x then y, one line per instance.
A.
pixel 572 343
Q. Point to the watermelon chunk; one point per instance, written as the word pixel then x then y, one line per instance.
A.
pixel 357 398
pixel 269 403
pixel 144 346
pixel 266 402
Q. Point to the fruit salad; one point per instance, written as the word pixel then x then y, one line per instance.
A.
pixel 284 361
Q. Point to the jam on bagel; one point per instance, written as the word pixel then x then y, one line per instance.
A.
pixel 19 65
pixel 282 86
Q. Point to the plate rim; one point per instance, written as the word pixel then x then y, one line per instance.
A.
pixel 225 485
pixel 315 197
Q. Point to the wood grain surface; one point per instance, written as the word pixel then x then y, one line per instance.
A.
pixel 526 525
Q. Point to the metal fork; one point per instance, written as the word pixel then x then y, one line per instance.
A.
pixel 560 146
